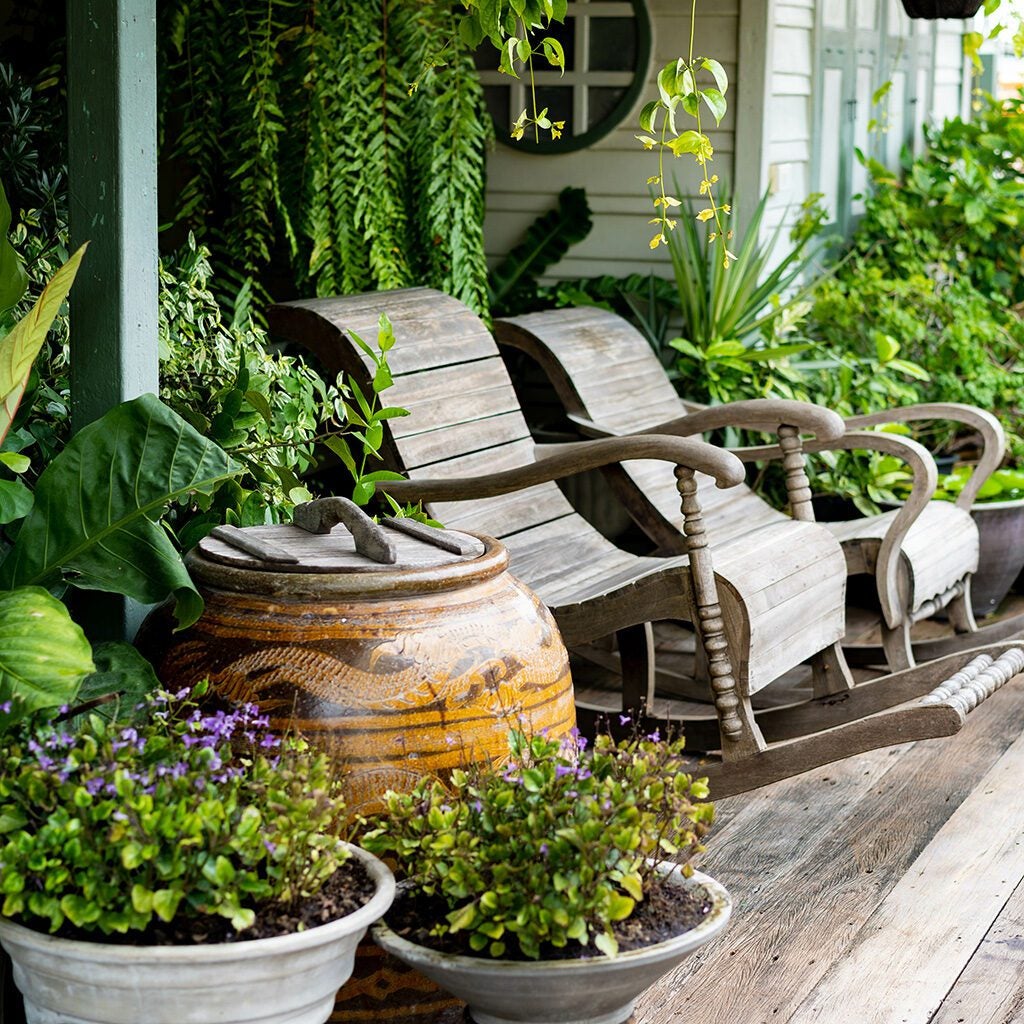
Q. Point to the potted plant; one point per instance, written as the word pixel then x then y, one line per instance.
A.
pixel 556 887
pixel 998 512
pixel 178 864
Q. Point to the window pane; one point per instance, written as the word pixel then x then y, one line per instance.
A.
pixel 498 100
pixel 558 100
pixel 601 101
pixel 612 44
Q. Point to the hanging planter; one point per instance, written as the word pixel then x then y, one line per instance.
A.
pixel 952 9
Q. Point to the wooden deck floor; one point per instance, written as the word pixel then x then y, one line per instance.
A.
pixel 884 889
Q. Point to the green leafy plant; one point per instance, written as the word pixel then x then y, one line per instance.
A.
pixel 737 318
pixel 551 848
pixel 305 162
pixel 513 27
pixel 682 89
pixel 175 814
pixel 1002 485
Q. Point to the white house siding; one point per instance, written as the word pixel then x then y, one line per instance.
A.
pixel 614 170
pixel 788 112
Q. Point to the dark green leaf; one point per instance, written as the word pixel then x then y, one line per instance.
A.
pixel 93 520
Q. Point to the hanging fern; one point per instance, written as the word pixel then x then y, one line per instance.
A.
pixel 449 164
pixel 302 161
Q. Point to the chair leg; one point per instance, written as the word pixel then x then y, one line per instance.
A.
pixel 829 672
pixel 636 655
pixel 896 644
pixel 960 613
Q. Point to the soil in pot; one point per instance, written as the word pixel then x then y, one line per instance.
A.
pixel 666 912
pixel 348 889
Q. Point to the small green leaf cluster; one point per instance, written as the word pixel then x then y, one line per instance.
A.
pixel 551 848
pixel 365 413
pixel 680 87
pixel 511 27
pixel 175 813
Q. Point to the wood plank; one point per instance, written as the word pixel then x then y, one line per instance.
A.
pixel 813 866
pixel 991 988
pixel 946 901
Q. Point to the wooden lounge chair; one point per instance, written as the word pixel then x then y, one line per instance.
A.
pixel 771 601
pixel 612 383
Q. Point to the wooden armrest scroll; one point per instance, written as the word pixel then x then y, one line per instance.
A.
pixel 921 464
pixel 993 437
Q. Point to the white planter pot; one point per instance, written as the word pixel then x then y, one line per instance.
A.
pixel 288 979
pixel 599 990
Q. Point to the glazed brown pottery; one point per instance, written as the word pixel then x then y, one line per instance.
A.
pixel 403 669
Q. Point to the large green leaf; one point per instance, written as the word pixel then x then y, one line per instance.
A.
pixel 13 279
pixel 43 654
pixel 19 349
pixel 93 524
pixel 122 679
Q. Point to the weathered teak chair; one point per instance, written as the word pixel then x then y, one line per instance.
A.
pixel 611 383
pixel 772 601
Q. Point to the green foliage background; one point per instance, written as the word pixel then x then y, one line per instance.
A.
pixel 295 151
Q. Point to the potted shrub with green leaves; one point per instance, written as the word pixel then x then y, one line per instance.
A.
pixel 177 864
pixel 556 887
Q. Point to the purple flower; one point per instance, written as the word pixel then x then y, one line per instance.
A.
pixel 93 786
pixel 562 770
pixel 543 849
pixel 654 737
pixel 477 806
pixel 583 773
pixel 271 848
pixel 625 719
pixel 6 707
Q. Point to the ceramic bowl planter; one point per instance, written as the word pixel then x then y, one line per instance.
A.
pixel 942 8
pixel 597 990
pixel 288 979
pixel 1001 557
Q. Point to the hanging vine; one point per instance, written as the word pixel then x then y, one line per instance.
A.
pixel 301 159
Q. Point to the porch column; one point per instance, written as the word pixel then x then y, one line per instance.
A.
pixel 112 185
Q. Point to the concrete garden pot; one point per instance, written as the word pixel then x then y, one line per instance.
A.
pixel 598 990
pixel 1001 555
pixel 288 979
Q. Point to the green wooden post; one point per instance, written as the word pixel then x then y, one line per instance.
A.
pixel 112 175
pixel 112 185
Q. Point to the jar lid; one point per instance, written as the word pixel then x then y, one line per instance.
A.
pixel 333 535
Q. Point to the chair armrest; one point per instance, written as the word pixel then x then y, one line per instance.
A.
pixel 993 437
pixel 555 461
pixel 921 465
pixel 764 414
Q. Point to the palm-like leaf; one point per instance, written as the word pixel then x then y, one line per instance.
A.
pixel 94 521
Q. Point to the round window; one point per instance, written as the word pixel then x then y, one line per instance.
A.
pixel 607 46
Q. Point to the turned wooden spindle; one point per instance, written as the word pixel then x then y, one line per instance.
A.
pixel 798 487
pixel 710 624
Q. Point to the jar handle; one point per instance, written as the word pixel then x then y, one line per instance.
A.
pixel 320 515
